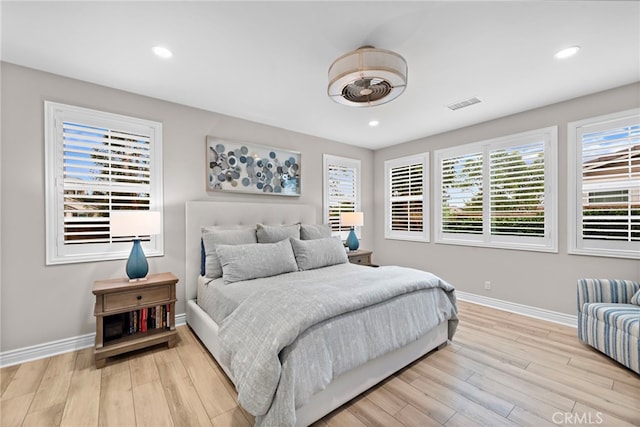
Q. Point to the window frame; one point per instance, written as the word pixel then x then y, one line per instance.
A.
pixel 56 251
pixel 546 243
pixel 576 244
pixel 330 159
pixel 415 236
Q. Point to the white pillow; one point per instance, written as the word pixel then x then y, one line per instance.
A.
pixel 635 299
pixel 253 261
pixel 317 253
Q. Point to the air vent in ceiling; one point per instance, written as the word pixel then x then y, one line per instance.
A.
pixel 465 103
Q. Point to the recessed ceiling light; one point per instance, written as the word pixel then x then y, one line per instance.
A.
pixel 374 123
pixel 565 53
pixel 162 52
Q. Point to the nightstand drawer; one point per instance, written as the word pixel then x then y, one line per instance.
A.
pixel 360 259
pixel 120 300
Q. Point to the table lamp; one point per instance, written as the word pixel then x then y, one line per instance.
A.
pixel 135 224
pixel 352 219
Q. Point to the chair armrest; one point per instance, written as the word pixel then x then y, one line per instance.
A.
pixel 606 290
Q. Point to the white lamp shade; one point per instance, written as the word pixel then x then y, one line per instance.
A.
pixel 352 219
pixel 134 223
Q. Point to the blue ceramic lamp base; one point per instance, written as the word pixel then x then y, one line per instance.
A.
pixel 352 240
pixel 137 265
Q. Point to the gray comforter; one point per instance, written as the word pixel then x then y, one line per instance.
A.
pixel 288 340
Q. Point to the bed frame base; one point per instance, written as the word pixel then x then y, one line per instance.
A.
pixel 346 386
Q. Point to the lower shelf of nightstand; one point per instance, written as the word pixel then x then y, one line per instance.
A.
pixel 134 342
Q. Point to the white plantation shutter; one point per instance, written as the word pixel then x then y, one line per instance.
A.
pixel 461 193
pixel 517 190
pixel 104 170
pixel 341 190
pixel 499 193
pixel 406 196
pixel 606 208
pixel 96 163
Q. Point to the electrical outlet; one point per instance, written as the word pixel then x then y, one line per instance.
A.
pixel 487 285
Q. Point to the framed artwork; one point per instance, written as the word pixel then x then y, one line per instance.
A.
pixel 249 168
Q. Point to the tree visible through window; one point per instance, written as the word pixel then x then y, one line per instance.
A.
pixel 462 194
pixel 517 191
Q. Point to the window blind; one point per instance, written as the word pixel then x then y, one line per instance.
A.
pixel 104 170
pixel 610 176
pixel 461 179
pixel 342 187
pixel 500 192
pixel 341 190
pixel 517 190
pixel 406 197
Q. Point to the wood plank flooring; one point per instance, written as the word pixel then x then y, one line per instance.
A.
pixel 501 369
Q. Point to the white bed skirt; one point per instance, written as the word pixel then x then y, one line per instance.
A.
pixel 341 389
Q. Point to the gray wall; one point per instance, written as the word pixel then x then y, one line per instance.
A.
pixel 45 303
pixel 537 279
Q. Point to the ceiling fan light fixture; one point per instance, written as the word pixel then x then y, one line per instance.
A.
pixel 367 77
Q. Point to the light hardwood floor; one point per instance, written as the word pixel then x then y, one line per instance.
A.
pixel 501 369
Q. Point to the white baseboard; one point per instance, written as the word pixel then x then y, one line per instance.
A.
pixel 525 310
pixel 40 351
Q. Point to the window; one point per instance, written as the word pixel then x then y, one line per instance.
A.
pixel 499 193
pixel 98 162
pixel 341 191
pixel 604 185
pixel 406 198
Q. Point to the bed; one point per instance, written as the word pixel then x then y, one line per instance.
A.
pixel 338 385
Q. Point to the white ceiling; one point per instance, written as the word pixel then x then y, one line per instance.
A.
pixel 268 61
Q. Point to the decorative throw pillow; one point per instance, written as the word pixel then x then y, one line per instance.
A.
pixel 317 253
pixel 253 261
pixel 314 231
pixel 277 233
pixel 635 299
pixel 211 238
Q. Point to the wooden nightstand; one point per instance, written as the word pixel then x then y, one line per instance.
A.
pixel 360 256
pixel 134 315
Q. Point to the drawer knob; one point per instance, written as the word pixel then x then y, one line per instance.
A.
pixel 139 297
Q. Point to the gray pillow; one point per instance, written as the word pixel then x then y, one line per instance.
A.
pixel 318 253
pixel 314 231
pixel 211 238
pixel 277 233
pixel 246 262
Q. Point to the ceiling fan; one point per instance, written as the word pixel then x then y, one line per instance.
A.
pixel 367 77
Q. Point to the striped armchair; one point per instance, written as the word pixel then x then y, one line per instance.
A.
pixel 608 321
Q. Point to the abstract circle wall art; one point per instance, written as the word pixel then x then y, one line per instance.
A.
pixel 250 168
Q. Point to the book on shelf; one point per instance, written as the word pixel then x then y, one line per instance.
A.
pixel 137 321
pixel 143 320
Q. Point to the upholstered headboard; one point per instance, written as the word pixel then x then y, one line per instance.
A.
pixel 201 213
